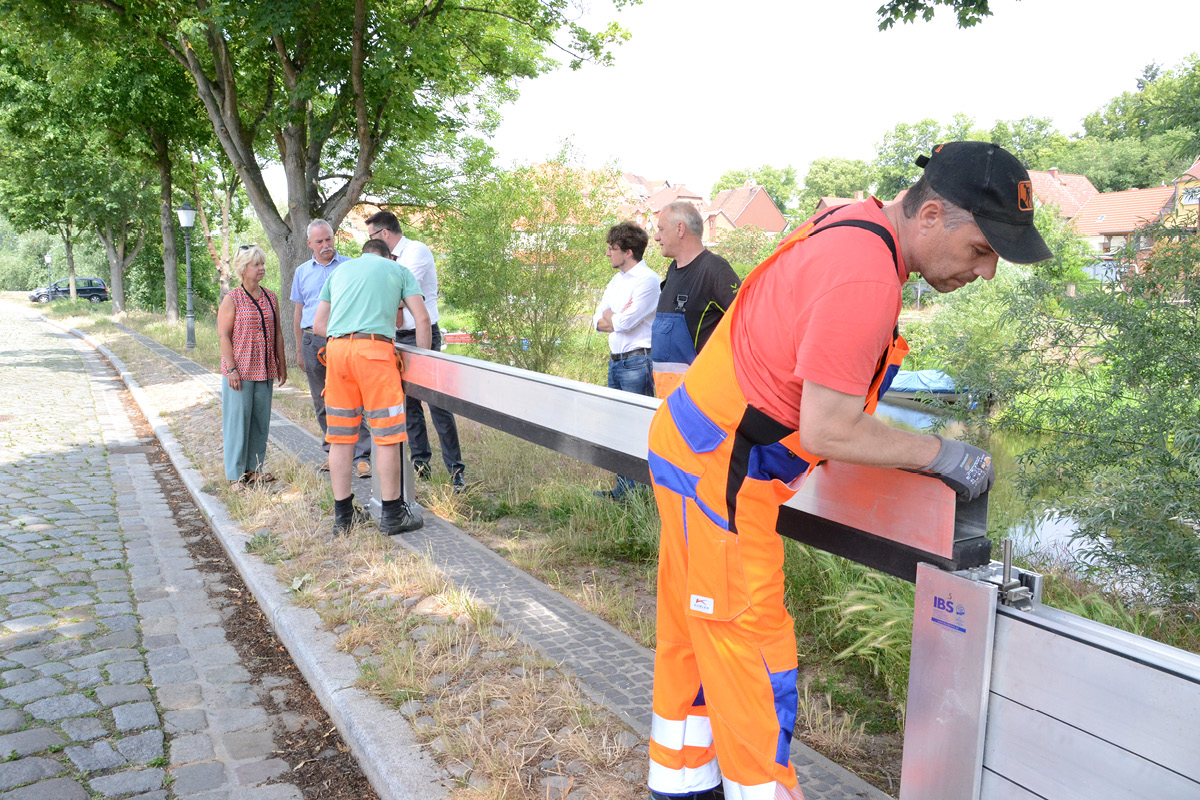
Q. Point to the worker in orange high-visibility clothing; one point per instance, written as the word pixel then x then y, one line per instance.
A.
pixel 359 308
pixel 789 378
pixel 698 288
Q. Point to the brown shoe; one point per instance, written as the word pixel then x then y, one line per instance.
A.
pixel 362 469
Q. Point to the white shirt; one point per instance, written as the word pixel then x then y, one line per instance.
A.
pixel 419 260
pixel 633 297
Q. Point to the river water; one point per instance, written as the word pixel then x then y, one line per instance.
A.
pixel 1032 534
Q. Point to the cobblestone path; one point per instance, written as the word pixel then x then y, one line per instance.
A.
pixel 116 678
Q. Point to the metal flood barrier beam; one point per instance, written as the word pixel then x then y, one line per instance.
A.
pixel 1008 699
pixel 887 519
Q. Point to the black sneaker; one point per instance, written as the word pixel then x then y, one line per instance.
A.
pixel 403 518
pixel 458 482
pixel 421 468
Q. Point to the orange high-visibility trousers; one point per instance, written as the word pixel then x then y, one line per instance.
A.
pixel 363 379
pixel 725 667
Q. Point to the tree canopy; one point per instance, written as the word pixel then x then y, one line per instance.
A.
pixel 325 88
pixel 833 177
pixel 968 12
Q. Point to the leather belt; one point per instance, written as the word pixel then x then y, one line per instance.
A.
pixel 379 337
pixel 640 351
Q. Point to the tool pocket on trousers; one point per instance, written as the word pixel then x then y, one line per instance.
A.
pixel 701 434
pixel 779 658
pixel 716 582
pixel 378 354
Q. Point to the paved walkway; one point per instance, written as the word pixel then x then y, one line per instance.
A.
pixel 615 671
pixel 113 660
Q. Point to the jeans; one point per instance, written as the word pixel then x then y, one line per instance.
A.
pixel 443 421
pixel 314 370
pixel 634 375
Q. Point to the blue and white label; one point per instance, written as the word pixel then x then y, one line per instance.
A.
pixel 949 613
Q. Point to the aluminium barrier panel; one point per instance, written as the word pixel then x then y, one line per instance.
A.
pixel 1011 704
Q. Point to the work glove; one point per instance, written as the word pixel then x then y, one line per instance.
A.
pixel 966 469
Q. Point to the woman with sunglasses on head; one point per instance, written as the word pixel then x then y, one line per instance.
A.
pixel 252 357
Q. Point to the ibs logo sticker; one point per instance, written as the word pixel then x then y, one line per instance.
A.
pixel 949 613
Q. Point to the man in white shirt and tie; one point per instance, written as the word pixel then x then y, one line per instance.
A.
pixel 418 259
pixel 626 314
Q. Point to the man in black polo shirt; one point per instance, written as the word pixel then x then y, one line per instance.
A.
pixel 699 287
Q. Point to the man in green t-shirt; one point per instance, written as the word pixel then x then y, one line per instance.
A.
pixel 360 306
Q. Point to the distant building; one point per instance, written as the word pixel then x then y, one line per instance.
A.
pixel 1186 212
pixel 745 206
pixel 1066 191
pixel 669 194
pixel 1109 220
pixel 826 203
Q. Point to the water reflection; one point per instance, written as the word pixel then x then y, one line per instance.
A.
pixel 1008 515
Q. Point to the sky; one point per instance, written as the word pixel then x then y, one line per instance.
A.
pixel 705 86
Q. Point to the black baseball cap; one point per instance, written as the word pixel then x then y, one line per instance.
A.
pixel 988 181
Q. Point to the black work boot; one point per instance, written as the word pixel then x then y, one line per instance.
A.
pixel 346 513
pixel 399 517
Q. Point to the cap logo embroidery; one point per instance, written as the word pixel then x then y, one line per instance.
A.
pixel 938 149
pixel 1025 196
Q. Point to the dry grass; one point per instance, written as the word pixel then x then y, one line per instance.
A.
pixel 504 721
pixel 835 734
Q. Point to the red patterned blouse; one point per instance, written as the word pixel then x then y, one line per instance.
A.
pixel 253 335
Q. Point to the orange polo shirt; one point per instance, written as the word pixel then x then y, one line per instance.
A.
pixel 824 313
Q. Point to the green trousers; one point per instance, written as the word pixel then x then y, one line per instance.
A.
pixel 245 423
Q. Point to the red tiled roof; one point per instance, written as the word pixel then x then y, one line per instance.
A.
pixel 669 194
pixel 749 204
pixel 637 180
pixel 734 201
pixel 1068 192
pixel 1192 173
pixel 1121 212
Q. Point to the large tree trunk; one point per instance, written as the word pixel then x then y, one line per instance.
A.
pixel 114 247
pixel 299 154
pixel 226 231
pixel 65 233
pixel 166 218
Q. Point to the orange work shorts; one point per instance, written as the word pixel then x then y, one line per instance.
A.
pixel 362 379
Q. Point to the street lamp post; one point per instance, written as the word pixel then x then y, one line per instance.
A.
pixel 187 218
pixel 49 277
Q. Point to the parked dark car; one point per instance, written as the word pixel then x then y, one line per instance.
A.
pixel 91 289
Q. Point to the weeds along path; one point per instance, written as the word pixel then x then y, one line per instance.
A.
pixel 518 690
